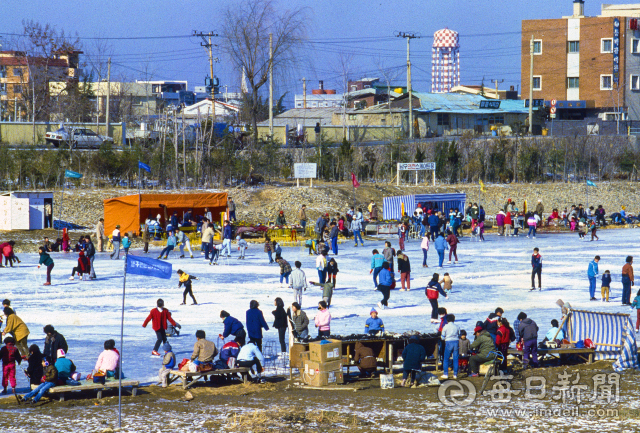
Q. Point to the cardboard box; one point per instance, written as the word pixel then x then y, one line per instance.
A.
pixel 331 351
pixel 322 374
pixel 304 356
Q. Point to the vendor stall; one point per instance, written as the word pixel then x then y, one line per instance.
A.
pixel 394 206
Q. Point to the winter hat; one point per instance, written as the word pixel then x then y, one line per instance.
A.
pixel 373 310
pixel 118 226
pixel 61 353
pixel 281 212
pixel 237 238
pixel 166 347
pixel 477 329
pixel 81 254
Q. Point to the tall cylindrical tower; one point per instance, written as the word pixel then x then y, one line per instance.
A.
pixel 445 61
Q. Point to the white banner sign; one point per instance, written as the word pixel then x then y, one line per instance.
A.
pixel 305 171
pixel 416 166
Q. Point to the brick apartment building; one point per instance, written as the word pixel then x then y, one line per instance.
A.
pixel 20 73
pixel 589 65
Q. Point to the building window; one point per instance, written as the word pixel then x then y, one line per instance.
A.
pixel 574 46
pixel 635 82
pixel 17 88
pixel 537 46
pixel 496 120
pixel 635 46
pixel 606 45
pixel 606 82
pixel 537 82
pixel 352 117
pixel 17 72
pixel 354 88
pixel 573 82
pixel 443 119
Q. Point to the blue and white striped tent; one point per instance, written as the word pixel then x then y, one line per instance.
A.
pixel 612 333
pixel 392 206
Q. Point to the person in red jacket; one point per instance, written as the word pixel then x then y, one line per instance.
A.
pixel 503 339
pixel 453 242
pixel 159 317
pixel 84 266
pixel 508 223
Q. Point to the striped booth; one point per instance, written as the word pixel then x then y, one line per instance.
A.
pixel 612 333
pixel 392 206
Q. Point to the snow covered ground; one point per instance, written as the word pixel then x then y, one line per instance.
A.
pixel 491 274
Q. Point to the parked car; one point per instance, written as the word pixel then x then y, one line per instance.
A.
pixel 78 138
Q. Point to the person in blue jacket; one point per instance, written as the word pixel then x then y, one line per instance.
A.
pixel 374 324
pixel 232 326
pixel 250 356
pixel 376 266
pixel 441 245
pixel 227 232
pixel 592 273
pixel 255 324
pixel 434 224
pixel 171 244
pixel 126 244
pixel 413 356
pixel 384 286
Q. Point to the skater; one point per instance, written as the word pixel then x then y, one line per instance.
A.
pixel 606 285
pixel 268 248
pixel 441 245
pixel 481 231
pixel 65 240
pixel 446 282
pixel 227 233
pixel 384 286
pixel 532 222
pixel 425 249
pixel 183 240
pixel 332 271
pixel 186 279
pixel 528 331
pixel 356 226
pixel 377 260
pixel 402 234
pixel 233 326
pixel 333 235
pixel 281 323
pixel 627 280
pixel 450 335
pixel 592 273
pixel 285 269
pixel 115 241
pixel 255 324
pixel 327 291
pixel 536 265
pixel 83 266
pixel 374 324
pixel 453 242
pixel 90 252
pixel 207 240
pixel 168 362
pixel 321 267
pixel 404 267
pixel 242 246
pixel 323 320
pixel 171 244
pixel 593 228
pixel 433 291
pixel 298 282
pixel 45 259
pixel 215 253
pixel 50 380
pixel 158 318
pixel 126 243
pixel 389 253
pixel 9 355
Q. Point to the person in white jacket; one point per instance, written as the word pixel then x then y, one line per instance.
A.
pixel 425 249
pixel 356 226
pixel 242 246
pixel 321 266
pixel 298 282
pixel 250 356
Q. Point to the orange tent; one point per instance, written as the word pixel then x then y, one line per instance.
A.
pixel 124 210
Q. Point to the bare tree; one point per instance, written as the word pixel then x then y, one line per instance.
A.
pixel 245 39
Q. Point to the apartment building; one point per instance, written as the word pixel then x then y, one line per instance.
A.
pixel 589 65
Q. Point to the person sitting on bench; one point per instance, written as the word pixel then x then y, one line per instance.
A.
pixel 365 360
pixel 249 356
pixel 204 350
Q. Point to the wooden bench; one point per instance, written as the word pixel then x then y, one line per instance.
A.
pixel 90 386
pixel 189 378
pixel 584 354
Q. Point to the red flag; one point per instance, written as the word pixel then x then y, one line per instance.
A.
pixel 354 180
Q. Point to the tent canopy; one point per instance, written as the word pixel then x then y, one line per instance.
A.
pixel 124 210
pixel 612 333
pixel 392 206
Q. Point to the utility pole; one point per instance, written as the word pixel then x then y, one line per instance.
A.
pixel 206 42
pixel 184 152
pixel 408 37
pixel 271 85
pixel 108 95
pixel 304 92
pixel 496 82
pixel 531 86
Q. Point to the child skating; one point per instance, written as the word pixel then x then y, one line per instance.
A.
pixel 186 280
pixel 536 264
pixel 242 246
pixel 9 355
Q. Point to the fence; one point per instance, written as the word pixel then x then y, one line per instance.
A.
pixel 21 133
